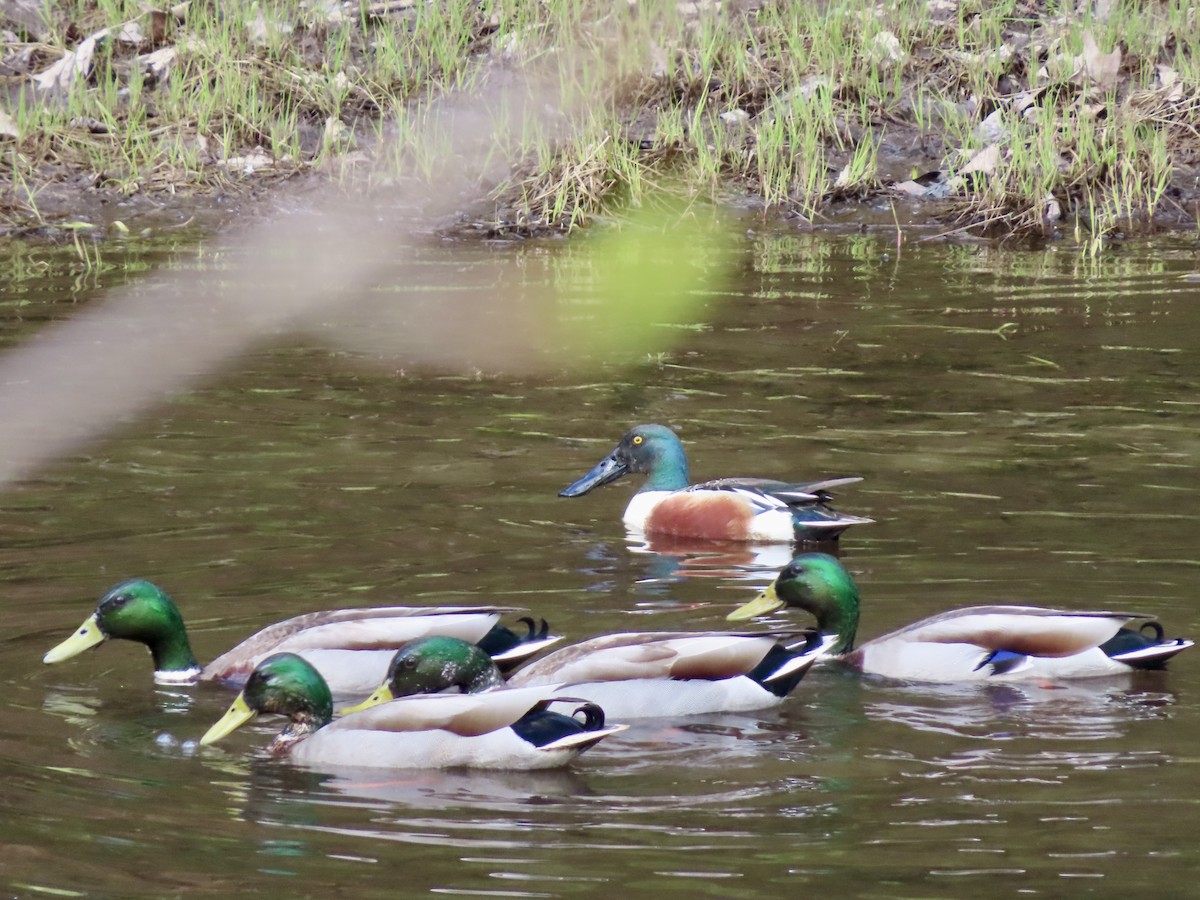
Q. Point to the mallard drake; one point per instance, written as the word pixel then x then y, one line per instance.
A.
pixel 632 675
pixel 351 647
pixel 511 729
pixel 976 643
pixel 738 509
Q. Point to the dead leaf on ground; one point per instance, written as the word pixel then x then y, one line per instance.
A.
pixel 658 61
pixel 73 64
pixel 390 6
pixel 263 31
pixel 1168 80
pixel 910 188
pixel 985 161
pixel 8 127
pixel 813 84
pixel 992 127
pixel 1102 69
pixel 131 33
pixel 885 48
pixel 158 25
pixel 1051 210
pixel 90 125
pixel 1002 54
pixel 159 62
pixel 251 162
pixel 336 133
pixel 1023 101
pixel 942 10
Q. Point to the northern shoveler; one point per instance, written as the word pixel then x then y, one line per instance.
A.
pixel 351 647
pixel 976 643
pixel 511 729
pixel 632 675
pixel 738 509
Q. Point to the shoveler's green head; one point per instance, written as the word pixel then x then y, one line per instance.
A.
pixel 284 684
pixel 430 665
pixel 653 450
pixel 134 610
pixel 816 582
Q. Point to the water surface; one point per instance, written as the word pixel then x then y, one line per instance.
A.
pixel 1028 428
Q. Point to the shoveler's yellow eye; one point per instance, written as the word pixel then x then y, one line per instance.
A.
pixel 637 439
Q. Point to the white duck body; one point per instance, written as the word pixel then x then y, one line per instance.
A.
pixel 443 731
pixel 664 674
pixel 351 648
pixel 732 509
pixel 1004 643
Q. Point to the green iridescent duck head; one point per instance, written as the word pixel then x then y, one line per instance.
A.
pixel 652 450
pixel 818 583
pixel 136 610
pixel 430 665
pixel 282 684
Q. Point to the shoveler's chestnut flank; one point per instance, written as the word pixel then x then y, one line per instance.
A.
pixel 734 509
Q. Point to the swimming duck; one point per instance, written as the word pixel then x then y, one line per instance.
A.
pixel 976 643
pixel 738 509
pixel 499 730
pixel 631 675
pixel 351 647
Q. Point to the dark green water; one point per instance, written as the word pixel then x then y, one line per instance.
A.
pixel 1028 426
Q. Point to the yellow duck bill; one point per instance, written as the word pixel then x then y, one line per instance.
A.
pixel 766 602
pixel 237 716
pixel 382 694
pixel 85 638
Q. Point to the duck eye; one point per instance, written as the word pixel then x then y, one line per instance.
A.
pixel 114 603
pixel 637 440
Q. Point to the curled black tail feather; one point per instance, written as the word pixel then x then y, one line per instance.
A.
pixel 540 726
pixel 537 630
pixel 1128 640
pixel 502 639
pixel 593 716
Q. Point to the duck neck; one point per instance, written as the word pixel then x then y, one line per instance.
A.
pixel 669 471
pixel 172 653
pixel 836 609
pixel 484 678
pixel 300 727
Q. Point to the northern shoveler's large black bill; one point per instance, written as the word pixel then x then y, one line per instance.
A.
pixel 608 469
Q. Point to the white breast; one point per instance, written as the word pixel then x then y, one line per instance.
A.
pixel 640 506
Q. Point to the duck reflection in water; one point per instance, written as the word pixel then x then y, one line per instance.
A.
pixel 672 559
pixel 1092 709
pixel 265 791
pixel 650 566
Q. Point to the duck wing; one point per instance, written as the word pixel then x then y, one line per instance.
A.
pixel 1025 630
pixel 369 628
pixel 466 715
pixel 768 493
pixel 668 655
